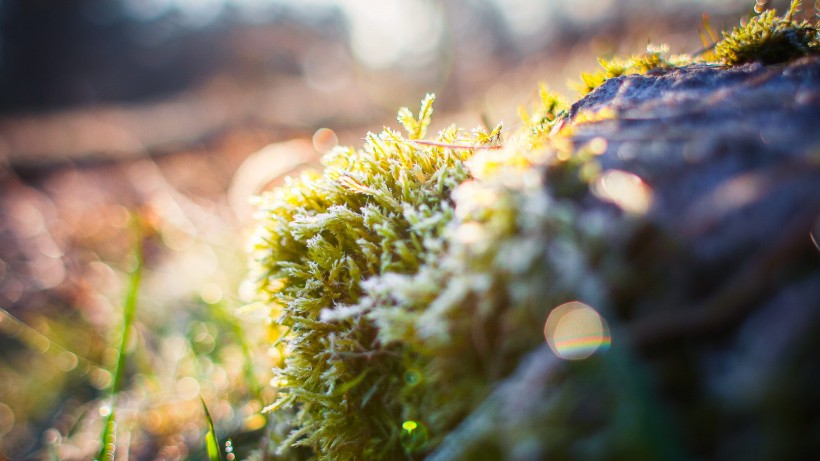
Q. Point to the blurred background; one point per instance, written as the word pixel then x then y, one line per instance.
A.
pixel 171 113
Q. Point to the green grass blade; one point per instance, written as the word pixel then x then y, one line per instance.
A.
pixel 108 438
pixel 227 318
pixel 211 441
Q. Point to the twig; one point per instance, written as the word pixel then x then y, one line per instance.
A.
pixel 458 146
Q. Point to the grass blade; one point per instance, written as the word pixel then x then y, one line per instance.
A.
pixel 129 312
pixel 211 441
pixel 229 319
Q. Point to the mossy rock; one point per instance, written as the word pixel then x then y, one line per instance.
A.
pixel 715 308
pixel 410 281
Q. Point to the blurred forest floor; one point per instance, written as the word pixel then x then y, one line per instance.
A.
pixel 73 176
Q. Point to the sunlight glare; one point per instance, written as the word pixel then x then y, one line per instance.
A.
pixel 392 32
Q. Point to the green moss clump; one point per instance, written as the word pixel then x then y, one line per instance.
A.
pixel 770 39
pixel 400 276
pixel 654 58
pixel 405 279
pixel 376 211
pixel 766 38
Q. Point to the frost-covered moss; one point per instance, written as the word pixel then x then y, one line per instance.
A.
pixel 324 239
pixel 401 276
pixel 411 275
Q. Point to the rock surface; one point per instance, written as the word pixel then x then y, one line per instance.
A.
pixel 717 317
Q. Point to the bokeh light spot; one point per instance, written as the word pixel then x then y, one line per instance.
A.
pixel 27 220
pixel 412 377
pixel 391 32
pixel 211 293
pixel 100 378
pixel 187 388
pixel 119 216
pixel 6 419
pixel 597 145
pixel 175 237
pixel 625 190
pixel 413 436
pixel 229 454
pixel 67 361
pixel 470 233
pixel 255 422
pixel 575 331
pixel 324 139
pixel 51 437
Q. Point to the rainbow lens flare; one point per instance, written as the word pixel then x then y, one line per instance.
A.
pixel 575 331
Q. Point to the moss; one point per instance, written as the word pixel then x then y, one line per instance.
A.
pixel 376 211
pixel 400 277
pixel 766 38
pixel 655 58
pixel 769 38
